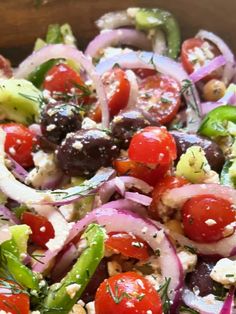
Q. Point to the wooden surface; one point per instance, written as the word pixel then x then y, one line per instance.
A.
pixel 21 22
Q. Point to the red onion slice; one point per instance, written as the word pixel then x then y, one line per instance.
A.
pixel 164 65
pixel 118 37
pixel 70 53
pixel 205 70
pixel 138 198
pixel 229 303
pixel 19 172
pixel 201 304
pixel 133 95
pixel 5 234
pixel 224 49
pixel 6 213
pixel 113 20
pixel 159 42
pixel 175 198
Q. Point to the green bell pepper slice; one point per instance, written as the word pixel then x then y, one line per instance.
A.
pixel 225 177
pixel 59 298
pixel 146 19
pixel 216 121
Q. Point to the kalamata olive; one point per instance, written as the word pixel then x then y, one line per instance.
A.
pixel 200 281
pixel 60 119
pixel 213 152
pixel 126 124
pixel 99 276
pixel 82 153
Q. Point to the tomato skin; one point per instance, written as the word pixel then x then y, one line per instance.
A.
pixel 143 73
pixel 188 46
pixel 61 78
pixel 127 293
pixel 198 210
pixel 19 143
pixel 167 183
pixel 5 67
pixel 153 145
pixel 13 303
pixel 36 222
pixel 117 89
pixel 159 96
pixel 141 171
pixel 128 245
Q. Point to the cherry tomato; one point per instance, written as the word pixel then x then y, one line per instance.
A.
pixel 13 303
pixel 117 89
pixel 143 73
pixel 196 52
pixel 61 78
pixel 167 183
pixel 19 143
pixel 205 218
pixel 151 175
pixel 42 229
pixel 128 245
pixel 5 67
pixel 152 145
pixel 159 96
pixel 127 293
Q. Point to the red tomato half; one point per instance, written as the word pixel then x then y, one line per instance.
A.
pixel 61 78
pixel 167 183
pixel 13 303
pixel 152 145
pixel 42 229
pixel 128 245
pixel 151 175
pixel 5 66
pixel 206 216
pixel 117 89
pixel 127 293
pixel 19 143
pixel 159 96
pixel 195 52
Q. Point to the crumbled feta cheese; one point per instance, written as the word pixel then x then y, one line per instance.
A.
pixel 12 151
pixel 224 272
pixel 67 211
pixel 113 268
pixel 90 307
pixel 149 312
pixel 211 177
pixel 210 222
pixel 72 289
pixel 77 145
pixel 88 123
pixel 188 260
pixel 33 312
pixel 77 309
pixel 155 280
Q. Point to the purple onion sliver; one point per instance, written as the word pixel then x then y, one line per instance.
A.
pixel 5 213
pixel 229 302
pixel 205 70
pixel 18 171
pixel 138 198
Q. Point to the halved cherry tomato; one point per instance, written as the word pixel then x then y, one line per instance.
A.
pixel 117 89
pixel 42 229
pixel 195 52
pixel 5 67
pixel 19 143
pixel 152 145
pixel 151 175
pixel 128 245
pixel 127 293
pixel 61 78
pixel 143 73
pixel 167 183
pixel 205 218
pixel 10 302
pixel 159 96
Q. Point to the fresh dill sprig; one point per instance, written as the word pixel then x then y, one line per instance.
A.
pixel 163 291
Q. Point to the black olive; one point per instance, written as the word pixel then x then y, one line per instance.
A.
pixel 59 120
pixel 126 124
pixel 213 152
pixel 82 153
pixel 200 280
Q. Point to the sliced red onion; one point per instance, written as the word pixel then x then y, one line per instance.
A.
pixel 204 305
pixel 19 172
pixel 52 182
pixel 175 198
pixel 164 65
pixel 229 303
pixel 133 95
pixel 5 234
pixel 205 70
pixel 138 198
pixel 35 129
pixel 114 20
pixel 224 49
pixel 159 42
pixel 6 213
pixel 118 37
pixel 71 53
pixel 23 194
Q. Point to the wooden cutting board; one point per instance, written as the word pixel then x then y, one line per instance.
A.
pixel 22 21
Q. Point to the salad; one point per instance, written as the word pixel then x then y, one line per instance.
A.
pixel 118 172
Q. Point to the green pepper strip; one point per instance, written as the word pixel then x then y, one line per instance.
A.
pixel 58 298
pixel 147 19
pixel 215 122
pixel 225 177
pixel 38 75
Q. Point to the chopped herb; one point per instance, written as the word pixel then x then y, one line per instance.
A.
pixel 163 291
pixel 115 295
pixel 187 309
pixel 229 275
pixel 165 100
pixel 190 249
